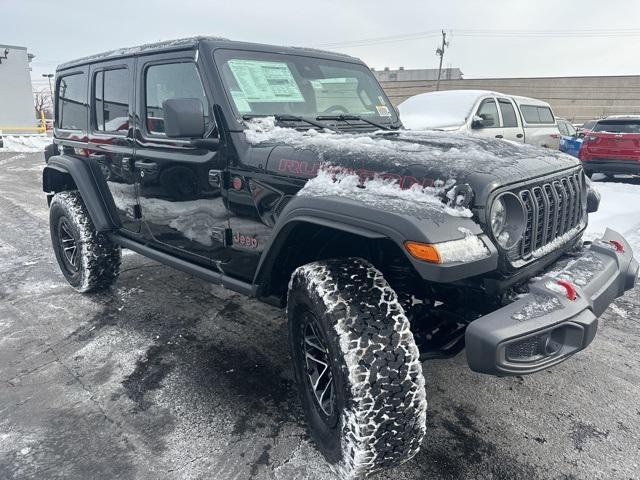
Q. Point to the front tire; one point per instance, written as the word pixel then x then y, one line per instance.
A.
pixel 89 260
pixel 371 413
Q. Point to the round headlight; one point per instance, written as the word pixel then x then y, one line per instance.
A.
pixel 507 220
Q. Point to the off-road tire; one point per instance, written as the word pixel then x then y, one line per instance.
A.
pixel 379 386
pixel 98 258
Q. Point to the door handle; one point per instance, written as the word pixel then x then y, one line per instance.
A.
pixel 519 135
pixel 144 165
pixel 499 136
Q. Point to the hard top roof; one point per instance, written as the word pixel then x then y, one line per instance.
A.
pixel 194 42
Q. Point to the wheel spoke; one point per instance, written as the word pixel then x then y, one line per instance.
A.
pixel 318 367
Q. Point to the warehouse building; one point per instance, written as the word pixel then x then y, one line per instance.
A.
pixel 577 99
pixel 17 112
pixel 404 74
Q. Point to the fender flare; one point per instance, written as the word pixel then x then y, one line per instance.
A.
pixel 89 181
pixel 375 222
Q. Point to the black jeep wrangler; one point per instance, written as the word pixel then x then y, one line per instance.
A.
pixel 285 174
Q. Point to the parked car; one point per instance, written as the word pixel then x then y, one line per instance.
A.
pixel 570 142
pixel 485 114
pixel 387 247
pixel 612 146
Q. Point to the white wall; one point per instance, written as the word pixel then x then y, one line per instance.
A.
pixel 16 96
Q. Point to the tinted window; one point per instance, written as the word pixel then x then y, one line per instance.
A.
pixel 618 126
pixel 489 113
pixel 508 114
pixel 111 93
pixel 589 125
pixel 173 80
pixel 72 102
pixel 535 114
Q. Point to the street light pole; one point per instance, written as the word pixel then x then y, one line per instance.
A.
pixel 49 76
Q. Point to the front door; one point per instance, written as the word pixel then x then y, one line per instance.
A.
pixel 111 134
pixel 180 186
pixel 488 111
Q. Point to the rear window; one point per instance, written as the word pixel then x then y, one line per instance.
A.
pixel 618 126
pixel 589 125
pixel 71 107
pixel 537 114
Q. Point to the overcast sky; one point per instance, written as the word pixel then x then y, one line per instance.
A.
pixel 60 30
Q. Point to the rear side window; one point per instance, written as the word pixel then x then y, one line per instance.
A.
pixel 508 114
pixel 172 80
pixel 111 100
pixel 537 114
pixel 563 128
pixel 489 113
pixel 618 126
pixel 71 109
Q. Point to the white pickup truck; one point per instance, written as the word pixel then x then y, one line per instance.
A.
pixel 483 113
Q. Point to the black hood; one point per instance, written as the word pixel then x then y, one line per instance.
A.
pixel 411 156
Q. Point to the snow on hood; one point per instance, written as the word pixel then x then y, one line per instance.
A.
pixel 384 194
pixel 438 109
pixel 25 143
pixel 443 155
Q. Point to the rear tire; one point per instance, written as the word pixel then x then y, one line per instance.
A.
pixel 89 260
pixel 342 313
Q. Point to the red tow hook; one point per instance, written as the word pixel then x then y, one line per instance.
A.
pixel 618 245
pixel 570 288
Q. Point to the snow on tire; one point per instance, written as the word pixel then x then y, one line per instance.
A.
pixel 88 259
pixel 373 359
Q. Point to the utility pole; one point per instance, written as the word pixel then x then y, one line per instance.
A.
pixel 440 53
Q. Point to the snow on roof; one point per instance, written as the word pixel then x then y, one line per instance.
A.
pixel 449 108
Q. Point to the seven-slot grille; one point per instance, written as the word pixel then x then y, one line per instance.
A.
pixel 551 209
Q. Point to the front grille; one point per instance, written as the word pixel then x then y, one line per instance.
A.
pixel 552 208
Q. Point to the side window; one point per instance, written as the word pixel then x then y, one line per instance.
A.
pixel 71 109
pixel 171 80
pixel 535 114
pixel 571 130
pixel 563 128
pixel 488 111
pixel 111 100
pixel 508 114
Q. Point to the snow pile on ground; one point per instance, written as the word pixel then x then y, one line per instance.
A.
pixel 378 192
pixel 619 210
pixel 25 143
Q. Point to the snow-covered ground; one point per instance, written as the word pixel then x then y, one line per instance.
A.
pixel 25 143
pixel 619 210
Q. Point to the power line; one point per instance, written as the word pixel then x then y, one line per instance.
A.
pixel 486 33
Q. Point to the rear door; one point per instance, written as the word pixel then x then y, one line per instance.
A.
pixel 511 122
pixel 110 134
pixel 615 139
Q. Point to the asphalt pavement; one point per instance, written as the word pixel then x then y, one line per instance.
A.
pixel 167 377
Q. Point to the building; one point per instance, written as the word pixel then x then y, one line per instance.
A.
pixel 577 99
pixel 17 112
pixel 403 74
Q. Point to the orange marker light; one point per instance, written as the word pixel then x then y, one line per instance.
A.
pixel 423 251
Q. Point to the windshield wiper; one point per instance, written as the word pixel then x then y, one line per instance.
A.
pixel 293 118
pixel 343 118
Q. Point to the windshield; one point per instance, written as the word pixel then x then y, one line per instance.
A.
pixel 438 109
pixel 260 83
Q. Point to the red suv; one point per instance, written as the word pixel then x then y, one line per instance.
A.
pixel 613 146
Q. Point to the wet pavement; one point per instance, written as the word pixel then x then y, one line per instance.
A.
pixel 167 377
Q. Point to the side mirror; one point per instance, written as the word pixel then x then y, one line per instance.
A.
pixel 183 118
pixel 477 122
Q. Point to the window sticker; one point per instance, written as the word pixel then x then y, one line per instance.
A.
pixel 241 102
pixel 265 81
pixel 383 110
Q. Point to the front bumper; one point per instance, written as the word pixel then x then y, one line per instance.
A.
pixel 545 326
